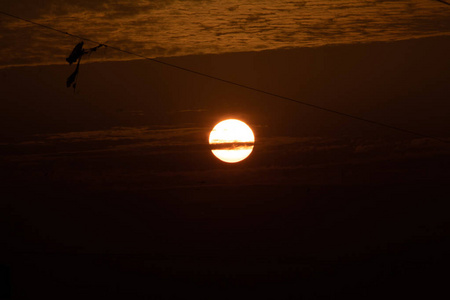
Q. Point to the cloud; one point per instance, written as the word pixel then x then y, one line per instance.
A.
pixel 295 150
pixel 121 133
pixel 117 139
pixel 176 28
pixel 197 110
pixel 159 158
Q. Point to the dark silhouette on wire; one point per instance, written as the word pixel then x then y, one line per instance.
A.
pixel 235 83
pixel 76 55
pixel 73 76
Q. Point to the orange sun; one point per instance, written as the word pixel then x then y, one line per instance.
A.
pixel 231 141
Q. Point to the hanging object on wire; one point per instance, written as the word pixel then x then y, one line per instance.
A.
pixel 76 55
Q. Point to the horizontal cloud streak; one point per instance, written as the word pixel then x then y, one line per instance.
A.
pixel 149 159
pixel 127 138
pixel 175 28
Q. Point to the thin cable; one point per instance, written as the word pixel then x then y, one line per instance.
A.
pixel 445 2
pixel 235 83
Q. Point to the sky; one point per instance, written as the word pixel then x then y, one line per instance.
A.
pixel 112 190
pixel 177 28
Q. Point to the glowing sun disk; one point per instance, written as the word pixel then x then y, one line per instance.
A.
pixel 231 141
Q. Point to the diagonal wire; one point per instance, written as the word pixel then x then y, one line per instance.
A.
pixel 445 2
pixel 355 117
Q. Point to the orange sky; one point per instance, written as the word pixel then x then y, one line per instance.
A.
pixel 142 108
pixel 111 191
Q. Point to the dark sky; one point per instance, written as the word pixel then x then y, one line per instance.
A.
pixel 112 191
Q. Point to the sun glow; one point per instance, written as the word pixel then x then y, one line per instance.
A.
pixel 231 141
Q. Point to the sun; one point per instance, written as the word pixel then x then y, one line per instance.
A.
pixel 231 141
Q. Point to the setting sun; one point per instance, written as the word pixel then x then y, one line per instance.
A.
pixel 231 141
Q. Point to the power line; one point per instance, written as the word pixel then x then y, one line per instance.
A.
pixel 445 2
pixel 233 82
